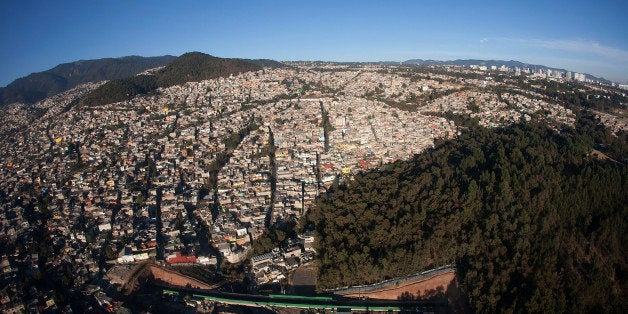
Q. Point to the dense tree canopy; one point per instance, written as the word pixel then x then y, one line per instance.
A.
pixel 38 86
pixel 120 90
pixel 196 66
pixel 531 219
pixel 190 67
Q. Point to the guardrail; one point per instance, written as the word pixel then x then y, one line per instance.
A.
pixel 304 302
pixel 424 274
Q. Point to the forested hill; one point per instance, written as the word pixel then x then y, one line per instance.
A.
pixel 533 221
pixel 63 77
pixel 190 67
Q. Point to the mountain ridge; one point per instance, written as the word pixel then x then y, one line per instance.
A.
pixel 189 67
pixel 39 85
pixel 492 62
pixel 457 62
pixel 468 62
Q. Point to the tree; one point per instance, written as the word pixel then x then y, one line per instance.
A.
pixel 518 209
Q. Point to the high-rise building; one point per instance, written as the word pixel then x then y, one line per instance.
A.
pixel 579 77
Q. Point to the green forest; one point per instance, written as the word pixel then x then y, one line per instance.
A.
pixel 189 67
pixel 63 77
pixel 120 90
pixel 532 220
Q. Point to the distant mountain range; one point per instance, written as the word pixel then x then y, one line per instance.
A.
pixel 468 62
pixel 63 77
pixel 489 63
pixel 463 62
pixel 193 66
pixel 190 67
pixel 121 72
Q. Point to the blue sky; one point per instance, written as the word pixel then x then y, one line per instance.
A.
pixel 589 37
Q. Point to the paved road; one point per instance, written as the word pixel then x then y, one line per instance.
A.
pixel 312 303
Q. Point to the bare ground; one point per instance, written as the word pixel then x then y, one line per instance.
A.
pixel 439 286
pixel 147 271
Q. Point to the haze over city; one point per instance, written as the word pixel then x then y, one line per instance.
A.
pixel 587 37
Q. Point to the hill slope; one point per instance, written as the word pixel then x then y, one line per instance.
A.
pixel 532 221
pixel 190 67
pixel 63 77
pixel 497 63
pixel 488 63
pixel 196 66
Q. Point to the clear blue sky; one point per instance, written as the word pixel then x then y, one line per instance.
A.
pixel 587 37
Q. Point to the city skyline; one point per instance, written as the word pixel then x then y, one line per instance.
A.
pixel 579 37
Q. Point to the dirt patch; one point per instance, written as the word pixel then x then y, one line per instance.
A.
pixel 423 288
pixel 601 156
pixel 304 281
pixel 436 287
pixel 598 154
pixel 177 279
pixel 147 272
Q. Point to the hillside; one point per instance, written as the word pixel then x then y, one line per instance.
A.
pixel 190 67
pixel 63 77
pixel 121 89
pixel 497 63
pixel 196 66
pixel 533 222
pixel 266 63
pixel 488 63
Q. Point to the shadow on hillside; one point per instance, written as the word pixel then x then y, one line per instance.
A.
pixel 456 299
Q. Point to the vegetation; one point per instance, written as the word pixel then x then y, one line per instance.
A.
pixel 120 90
pixel 63 77
pixel 327 126
pixel 196 66
pixel 205 274
pixel 532 220
pixel 266 63
pixel 577 95
pixel 274 236
pixel 573 95
pixel 231 142
pixel 190 67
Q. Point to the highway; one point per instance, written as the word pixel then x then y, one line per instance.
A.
pixel 314 303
